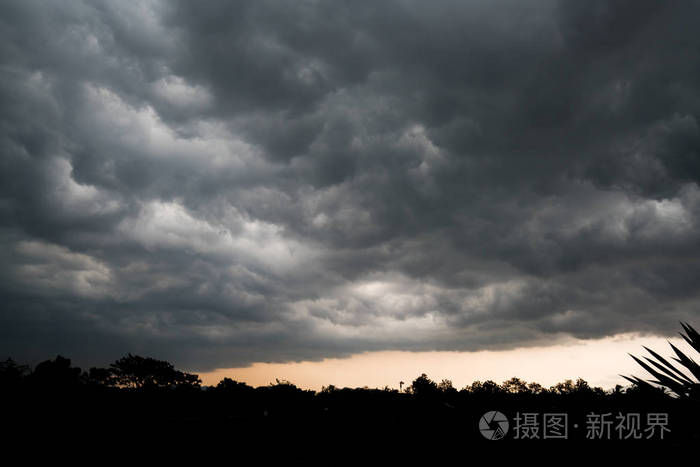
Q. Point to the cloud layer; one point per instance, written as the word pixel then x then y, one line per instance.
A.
pixel 218 183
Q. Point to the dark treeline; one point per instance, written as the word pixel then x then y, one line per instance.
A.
pixel 137 374
pixel 146 396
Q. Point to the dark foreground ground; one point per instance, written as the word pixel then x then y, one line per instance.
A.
pixel 142 405
pixel 347 422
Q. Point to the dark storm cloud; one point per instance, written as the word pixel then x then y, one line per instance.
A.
pixel 219 183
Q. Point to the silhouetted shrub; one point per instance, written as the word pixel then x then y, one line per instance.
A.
pixel 667 375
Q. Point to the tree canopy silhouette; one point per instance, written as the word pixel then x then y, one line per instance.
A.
pixel 56 373
pixel 424 386
pixel 12 373
pixel 138 372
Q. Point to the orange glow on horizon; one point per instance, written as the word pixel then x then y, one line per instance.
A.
pixel 600 362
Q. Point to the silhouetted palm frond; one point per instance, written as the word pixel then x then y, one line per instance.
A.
pixel 684 384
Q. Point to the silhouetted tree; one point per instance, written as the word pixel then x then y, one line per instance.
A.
pixel 423 386
pixel 582 386
pixel 138 372
pixel 56 373
pixel 563 387
pixel 284 388
pixel 487 387
pixel 231 386
pixel 100 377
pixel 11 373
pixel 515 386
pixel 579 388
pixel 445 386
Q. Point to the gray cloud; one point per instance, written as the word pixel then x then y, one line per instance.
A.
pixel 227 182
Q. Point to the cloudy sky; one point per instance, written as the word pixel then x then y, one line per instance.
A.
pixel 219 183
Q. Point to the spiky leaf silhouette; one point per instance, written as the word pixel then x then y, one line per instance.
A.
pixel 667 375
